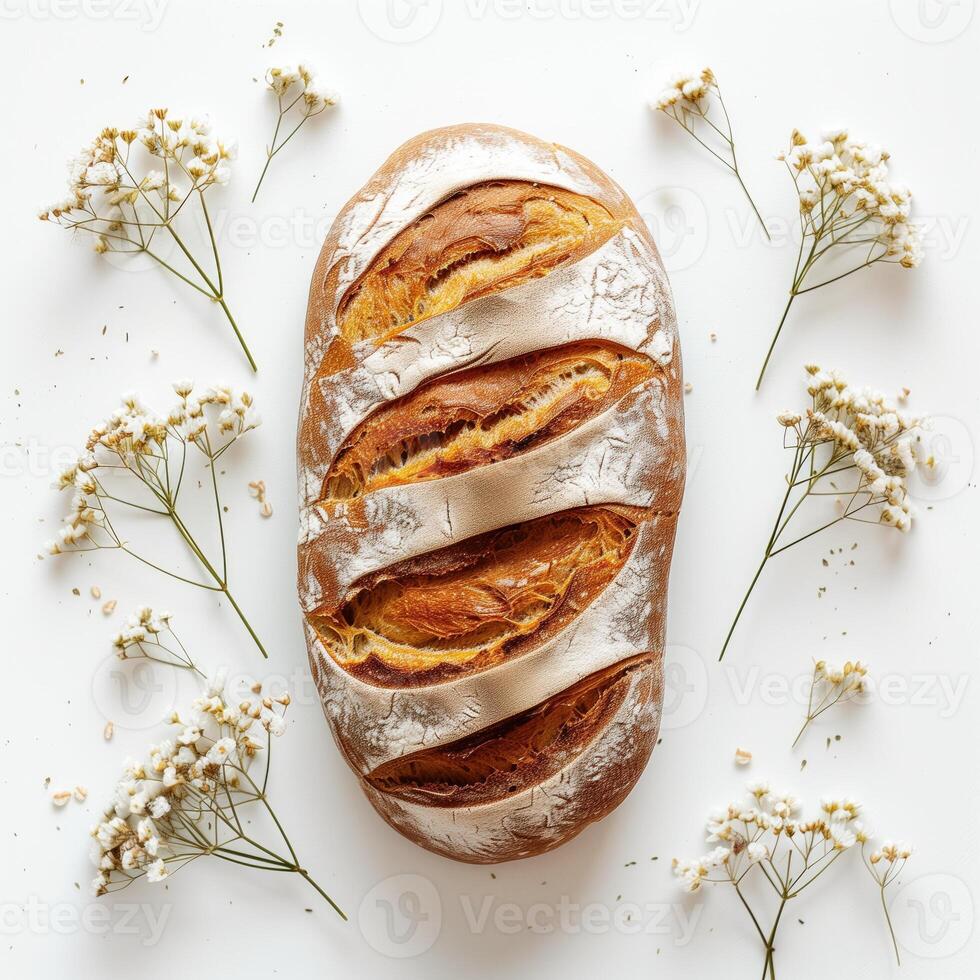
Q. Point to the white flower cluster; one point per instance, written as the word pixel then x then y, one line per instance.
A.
pixel 686 87
pixel 747 834
pixel 168 808
pixel 851 677
pixel 890 853
pixel 235 412
pixel 863 424
pixel 846 196
pixel 143 625
pixel 135 439
pixel 315 97
pixel 105 177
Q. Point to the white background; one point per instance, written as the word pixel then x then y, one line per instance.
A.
pixel 577 72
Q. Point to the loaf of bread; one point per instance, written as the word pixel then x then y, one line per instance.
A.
pixel 491 458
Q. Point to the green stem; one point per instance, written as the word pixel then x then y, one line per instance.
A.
pixel 219 581
pixel 305 874
pixel 268 160
pixel 238 333
pixel 772 346
pixel 741 182
pixel 745 599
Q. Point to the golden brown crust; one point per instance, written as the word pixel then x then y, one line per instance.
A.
pixel 454 612
pixel 483 415
pixel 481 240
pixel 569 451
pixel 514 754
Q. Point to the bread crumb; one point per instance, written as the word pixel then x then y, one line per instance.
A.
pixel 109 607
pixel 742 757
pixel 80 793
pixel 96 592
pixel 688 387
pixel 60 797
pixel 257 489
pixel 108 731
pixel 712 336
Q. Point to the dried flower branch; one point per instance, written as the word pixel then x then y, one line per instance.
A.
pixel 195 796
pixel 135 443
pixel 885 865
pixel 295 88
pixel 137 205
pixel 765 842
pixel 851 445
pixel 687 101
pixel 831 685
pixel 145 637
pixel 851 215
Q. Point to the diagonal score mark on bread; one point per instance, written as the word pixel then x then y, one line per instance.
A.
pixel 483 239
pixel 512 755
pixel 482 415
pixel 491 461
pixel 474 605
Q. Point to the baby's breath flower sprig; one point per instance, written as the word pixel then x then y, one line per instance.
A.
pixel 134 443
pixel 766 841
pixel 831 685
pixel 885 864
pixel 687 100
pixel 294 88
pixel 195 795
pixel 852 445
pixel 150 636
pixel 851 215
pixel 128 200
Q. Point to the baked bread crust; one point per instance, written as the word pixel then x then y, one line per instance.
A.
pixel 485 600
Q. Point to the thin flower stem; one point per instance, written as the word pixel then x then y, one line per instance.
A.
pixel 305 874
pixel 799 735
pixel 748 908
pixel 238 334
pixel 891 929
pixel 731 143
pixel 220 582
pixel 745 599
pixel 745 189
pixel 268 160
pixel 272 149
pixel 772 346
